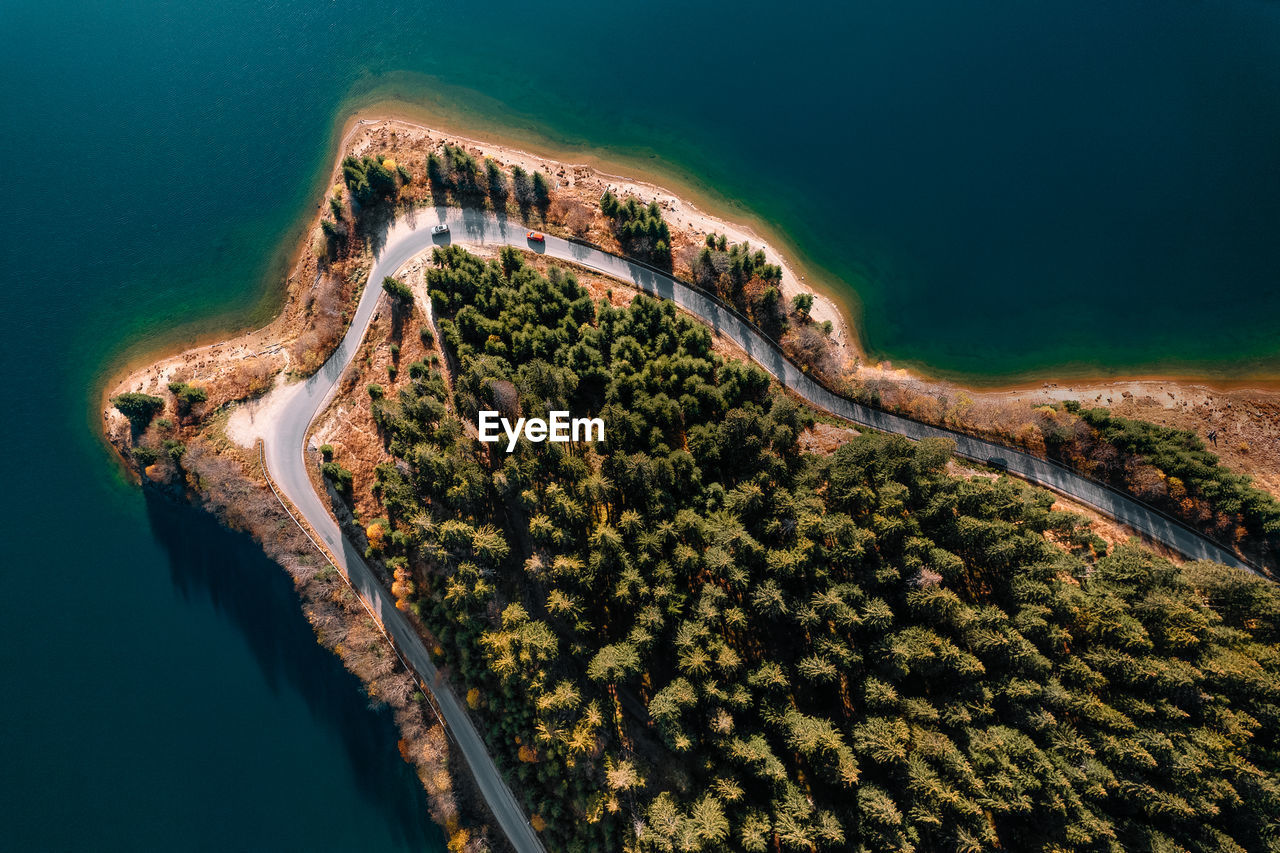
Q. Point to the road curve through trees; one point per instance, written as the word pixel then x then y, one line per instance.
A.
pixel 284 450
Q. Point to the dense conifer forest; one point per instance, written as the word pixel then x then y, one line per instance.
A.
pixel 695 636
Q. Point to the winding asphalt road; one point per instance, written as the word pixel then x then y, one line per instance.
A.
pixel 284 449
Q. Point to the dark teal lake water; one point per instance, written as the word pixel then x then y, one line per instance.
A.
pixel 1004 188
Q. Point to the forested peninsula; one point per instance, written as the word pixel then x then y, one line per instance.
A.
pixel 699 637
pixel 736 624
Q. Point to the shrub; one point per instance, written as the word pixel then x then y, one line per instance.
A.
pixel 146 456
pixel 398 290
pixel 341 478
pixel 187 395
pixel 523 188
pixel 498 191
pixel 138 408
pixel 640 229
pixel 369 181
pixel 802 304
pixel 541 193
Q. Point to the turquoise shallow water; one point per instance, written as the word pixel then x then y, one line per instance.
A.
pixel 1000 188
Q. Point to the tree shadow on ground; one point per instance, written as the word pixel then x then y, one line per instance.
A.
pixel 373 223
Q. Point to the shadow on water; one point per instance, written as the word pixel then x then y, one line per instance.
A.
pixel 208 561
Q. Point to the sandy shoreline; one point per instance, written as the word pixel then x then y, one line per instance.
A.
pixel 687 213
pixel 680 213
pixel 1199 404
pixel 743 225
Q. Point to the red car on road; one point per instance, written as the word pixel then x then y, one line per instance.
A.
pixel 536 237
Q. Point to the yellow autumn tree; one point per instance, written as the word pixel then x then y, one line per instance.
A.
pixel 459 840
pixel 622 775
pixel 375 533
pixel 402 586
